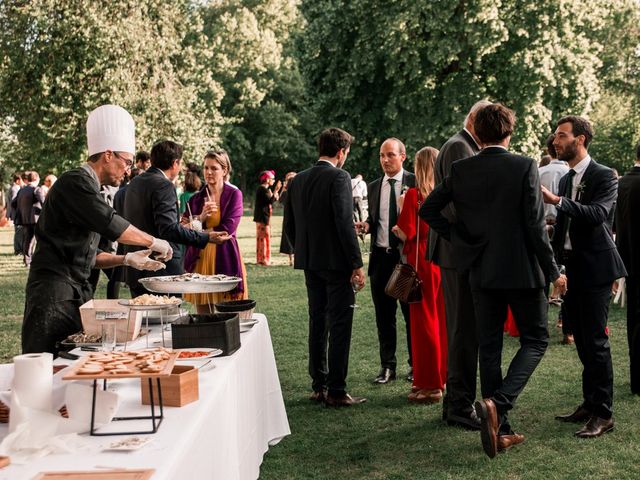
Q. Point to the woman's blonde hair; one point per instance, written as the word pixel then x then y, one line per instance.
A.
pixel 222 158
pixel 425 161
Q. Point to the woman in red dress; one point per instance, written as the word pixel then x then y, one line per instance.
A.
pixel 428 323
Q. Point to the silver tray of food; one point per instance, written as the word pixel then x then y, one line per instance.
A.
pixel 190 283
pixel 151 302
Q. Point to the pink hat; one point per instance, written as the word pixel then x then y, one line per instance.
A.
pixel 267 174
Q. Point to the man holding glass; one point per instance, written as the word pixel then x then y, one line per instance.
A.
pixel 319 223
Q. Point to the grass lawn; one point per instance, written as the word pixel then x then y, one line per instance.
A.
pixel 388 438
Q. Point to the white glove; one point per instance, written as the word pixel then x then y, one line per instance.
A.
pixel 140 261
pixel 162 247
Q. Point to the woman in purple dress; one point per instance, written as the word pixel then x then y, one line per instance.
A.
pixel 218 206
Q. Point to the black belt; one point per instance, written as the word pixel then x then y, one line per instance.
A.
pixel 386 250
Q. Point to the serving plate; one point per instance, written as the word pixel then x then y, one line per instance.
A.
pixel 163 306
pixel 178 284
pixel 211 352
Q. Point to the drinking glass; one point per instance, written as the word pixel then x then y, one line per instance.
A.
pixel 355 287
pixel 108 330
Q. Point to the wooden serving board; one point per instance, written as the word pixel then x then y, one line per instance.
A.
pixel 115 474
pixel 167 367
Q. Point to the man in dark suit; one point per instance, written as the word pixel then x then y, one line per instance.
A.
pixel 27 205
pixel 462 362
pixel 385 252
pixel 583 243
pixel 509 262
pixel 628 242
pixel 319 223
pixel 151 205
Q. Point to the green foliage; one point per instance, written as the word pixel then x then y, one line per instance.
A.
pixel 412 69
pixel 61 59
pixel 269 121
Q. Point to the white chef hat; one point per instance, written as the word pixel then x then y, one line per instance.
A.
pixel 111 127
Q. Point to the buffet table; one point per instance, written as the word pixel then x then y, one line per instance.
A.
pixel 223 435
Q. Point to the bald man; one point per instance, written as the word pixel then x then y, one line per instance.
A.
pixel 385 252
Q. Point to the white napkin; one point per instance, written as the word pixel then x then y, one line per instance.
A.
pixel 35 430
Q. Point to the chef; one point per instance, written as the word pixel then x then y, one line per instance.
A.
pixel 73 218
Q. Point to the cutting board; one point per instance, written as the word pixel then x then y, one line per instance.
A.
pixel 115 474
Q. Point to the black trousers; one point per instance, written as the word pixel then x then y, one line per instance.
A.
pixel 382 265
pixel 462 344
pixel 29 233
pixel 588 309
pixel 529 308
pixel 330 320
pixel 633 330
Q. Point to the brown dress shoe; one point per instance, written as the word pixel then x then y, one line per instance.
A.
pixel 567 340
pixel 507 441
pixel 318 397
pixel 425 396
pixel 579 415
pixel 345 400
pixel 486 410
pixel 595 427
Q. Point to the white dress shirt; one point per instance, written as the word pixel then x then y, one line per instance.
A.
pixel 382 237
pixel 577 178
pixel 550 176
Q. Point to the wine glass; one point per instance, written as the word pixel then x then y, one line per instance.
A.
pixel 355 286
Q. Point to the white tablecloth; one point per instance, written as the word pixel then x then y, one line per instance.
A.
pixel 223 435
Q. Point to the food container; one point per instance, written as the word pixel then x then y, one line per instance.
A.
pixel 95 311
pixel 178 284
pixel 244 308
pixel 178 389
pixel 218 330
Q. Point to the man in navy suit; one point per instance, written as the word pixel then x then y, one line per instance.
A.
pixel 583 242
pixel 509 261
pixel 319 224
pixel 151 204
pixel 628 242
pixel 385 252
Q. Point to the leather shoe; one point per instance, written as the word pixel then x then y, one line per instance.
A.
pixel 507 441
pixel 595 427
pixel 425 396
pixel 468 421
pixel 385 376
pixel 410 375
pixel 486 410
pixel 580 415
pixel 345 400
pixel 567 340
pixel 318 396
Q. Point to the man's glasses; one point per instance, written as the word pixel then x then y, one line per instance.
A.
pixel 128 162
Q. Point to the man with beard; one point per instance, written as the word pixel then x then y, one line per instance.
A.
pixel 73 218
pixel 583 242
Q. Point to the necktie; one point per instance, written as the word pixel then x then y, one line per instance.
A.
pixel 569 187
pixel 393 213
pixel 568 192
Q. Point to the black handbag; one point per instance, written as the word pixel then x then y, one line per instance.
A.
pixel 404 283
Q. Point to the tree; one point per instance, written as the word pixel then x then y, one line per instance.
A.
pixel 60 59
pixel 269 124
pixel 412 69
